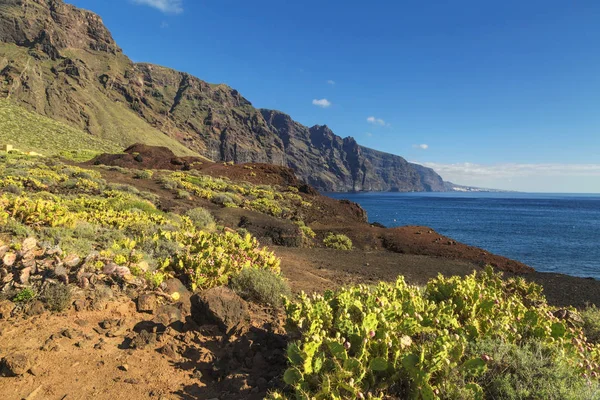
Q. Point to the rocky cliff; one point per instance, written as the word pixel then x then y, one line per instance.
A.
pixel 62 62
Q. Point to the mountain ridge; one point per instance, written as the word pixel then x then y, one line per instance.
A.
pixel 62 62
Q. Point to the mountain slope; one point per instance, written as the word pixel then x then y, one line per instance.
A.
pixel 61 62
pixel 29 131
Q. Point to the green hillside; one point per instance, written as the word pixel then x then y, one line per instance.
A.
pixel 28 131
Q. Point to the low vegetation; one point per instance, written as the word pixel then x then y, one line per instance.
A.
pixel 28 131
pixel 337 241
pixel 77 210
pixel 261 286
pixel 477 337
pixel 272 200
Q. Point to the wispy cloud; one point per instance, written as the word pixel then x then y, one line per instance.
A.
pixel 331 82
pixel 499 171
pixel 421 146
pixel 166 6
pixel 550 177
pixel 376 121
pixel 164 25
pixel 323 103
pixel 369 134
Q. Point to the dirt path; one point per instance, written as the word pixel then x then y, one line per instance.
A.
pixel 316 270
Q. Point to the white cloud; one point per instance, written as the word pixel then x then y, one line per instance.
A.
pixel 164 25
pixel 376 121
pixel 516 170
pixel 166 6
pixel 369 134
pixel 323 103
pixel 575 178
pixel 331 82
pixel 421 146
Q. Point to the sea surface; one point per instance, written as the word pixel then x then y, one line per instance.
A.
pixel 549 232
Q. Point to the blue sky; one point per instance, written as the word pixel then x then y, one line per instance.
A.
pixel 501 94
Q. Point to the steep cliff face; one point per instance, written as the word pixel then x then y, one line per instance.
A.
pixel 331 163
pixel 62 62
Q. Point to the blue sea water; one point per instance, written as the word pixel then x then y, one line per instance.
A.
pixel 549 232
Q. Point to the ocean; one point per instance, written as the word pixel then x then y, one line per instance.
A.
pixel 550 232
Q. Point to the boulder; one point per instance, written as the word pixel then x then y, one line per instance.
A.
pixel 220 306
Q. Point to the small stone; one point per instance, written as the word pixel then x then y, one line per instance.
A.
pixel 143 266
pixel 6 309
pixel 117 332
pixel 146 302
pixel 37 308
pixel 16 364
pixel 124 367
pixel 197 374
pixel 24 275
pixel 35 371
pixel 9 259
pixel 84 282
pixel 109 268
pixel 3 250
pixel 80 305
pixel 169 350
pixel 143 339
pixel 110 323
pixel 81 322
pixel 61 273
pixel 67 333
pixel 72 260
pixel 122 272
pixel 167 314
pixel 132 381
pixel 29 244
pixel 53 250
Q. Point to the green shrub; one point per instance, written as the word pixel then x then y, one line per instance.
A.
pixel 14 189
pixel 261 286
pixel 591 323
pixel 266 206
pixel 182 194
pixel 225 199
pixel 143 174
pixel 337 241
pixel 476 337
pixel 16 229
pixel 57 297
pixel 209 260
pixel 532 370
pixel 24 296
pixel 307 234
pixel 201 218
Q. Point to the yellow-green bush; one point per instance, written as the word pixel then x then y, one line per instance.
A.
pixel 399 341
pixel 337 241
pixel 209 260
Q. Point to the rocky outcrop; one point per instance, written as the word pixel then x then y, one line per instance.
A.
pixel 62 62
pixel 51 26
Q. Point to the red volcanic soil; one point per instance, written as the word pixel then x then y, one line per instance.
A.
pixel 141 156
